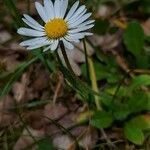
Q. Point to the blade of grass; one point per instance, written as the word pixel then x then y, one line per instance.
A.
pixel 16 76
pixel 10 5
pixel 92 76
pixel 82 88
pixel 41 55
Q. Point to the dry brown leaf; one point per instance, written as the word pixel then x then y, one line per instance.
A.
pixel 62 142
pixel 35 119
pixel 68 120
pixel 4 36
pixel 26 140
pixel 19 91
pixel 107 42
pixel 41 79
pixel 52 130
pixel 89 139
pixel 11 57
pixel 6 116
pixel 146 27
pixel 104 11
pixel 55 111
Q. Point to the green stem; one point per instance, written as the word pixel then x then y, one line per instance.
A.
pixel 66 57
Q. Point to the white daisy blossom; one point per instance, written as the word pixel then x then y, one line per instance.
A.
pixel 58 25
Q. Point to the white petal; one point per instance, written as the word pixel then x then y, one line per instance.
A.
pixel 32 21
pixel 88 33
pixel 32 25
pixel 47 48
pixel 73 20
pixel 67 44
pixel 77 13
pixel 38 45
pixel 77 35
pixel 40 9
pixel 72 10
pixel 68 38
pixel 86 23
pixel 81 20
pixel 30 32
pixel 54 45
pixel 81 29
pixel 64 5
pixel 57 8
pixel 48 4
pixel 82 24
pixel 34 41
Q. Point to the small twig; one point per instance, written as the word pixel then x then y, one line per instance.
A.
pixel 106 138
pixel 58 86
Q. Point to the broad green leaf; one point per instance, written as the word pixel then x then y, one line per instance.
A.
pixel 138 102
pixel 134 134
pixel 45 144
pixel 142 80
pixel 142 122
pixel 106 99
pixel 121 112
pixel 101 119
pixel 134 38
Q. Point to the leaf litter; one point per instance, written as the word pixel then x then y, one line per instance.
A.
pixel 48 108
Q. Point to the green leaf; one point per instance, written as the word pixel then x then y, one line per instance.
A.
pixel 142 122
pixel 138 102
pixel 147 38
pixel 133 134
pixel 142 80
pixel 45 144
pixel 103 72
pixel 106 99
pixel 144 6
pixel 121 112
pixel 134 38
pixel 101 26
pixel 101 119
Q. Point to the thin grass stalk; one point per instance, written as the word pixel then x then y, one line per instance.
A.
pixel 92 76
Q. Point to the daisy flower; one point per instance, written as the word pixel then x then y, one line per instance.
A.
pixel 60 25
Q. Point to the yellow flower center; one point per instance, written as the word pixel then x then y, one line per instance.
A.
pixel 56 28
